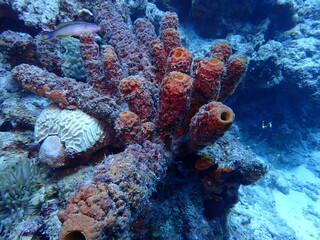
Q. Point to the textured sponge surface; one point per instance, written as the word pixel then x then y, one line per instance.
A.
pixel 75 128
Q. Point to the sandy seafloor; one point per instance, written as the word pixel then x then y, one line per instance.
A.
pixel 269 210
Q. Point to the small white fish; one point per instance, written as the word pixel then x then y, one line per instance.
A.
pixel 72 29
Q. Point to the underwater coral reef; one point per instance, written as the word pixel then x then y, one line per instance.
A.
pixel 147 102
pixel 130 136
pixel 165 109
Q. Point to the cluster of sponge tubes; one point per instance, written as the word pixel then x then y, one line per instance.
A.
pixel 159 102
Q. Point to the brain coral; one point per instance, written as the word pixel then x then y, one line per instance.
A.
pixel 76 129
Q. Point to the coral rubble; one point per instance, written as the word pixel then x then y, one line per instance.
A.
pixel 160 105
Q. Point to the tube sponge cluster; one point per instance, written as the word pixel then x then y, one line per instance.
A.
pixel 160 102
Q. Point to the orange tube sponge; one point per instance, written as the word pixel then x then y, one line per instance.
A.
pixel 208 74
pixel 159 58
pixel 67 92
pixel 112 67
pixel 171 39
pixel 168 31
pixel 138 97
pixel 180 60
pixel 169 20
pixel 130 130
pixel 105 206
pixel 90 54
pixel 145 32
pixel 235 69
pixel 220 50
pixel 127 120
pixel 174 100
pixel 209 124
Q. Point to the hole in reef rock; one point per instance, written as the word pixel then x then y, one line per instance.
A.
pixel 9 21
pixel 6 126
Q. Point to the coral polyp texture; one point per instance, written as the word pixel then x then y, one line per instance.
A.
pixel 147 98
